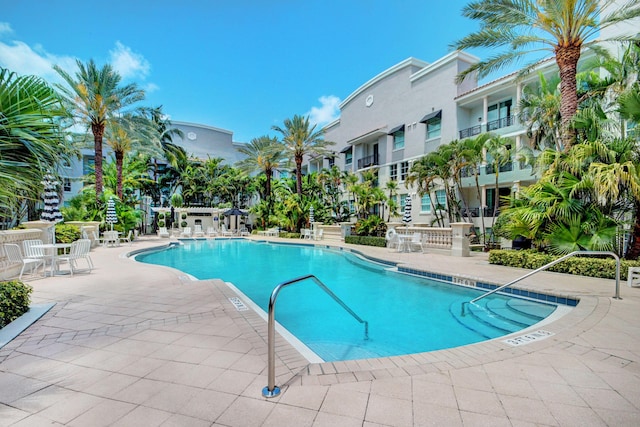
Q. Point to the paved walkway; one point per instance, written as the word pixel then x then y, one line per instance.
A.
pixel 139 345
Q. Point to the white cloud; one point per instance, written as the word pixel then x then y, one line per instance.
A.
pixel 5 28
pixel 127 63
pixel 24 60
pixel 327 112
pixel 150 87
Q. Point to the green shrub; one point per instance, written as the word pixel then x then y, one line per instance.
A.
pixel 66 233
pixel 604 268
pixel 183 224
pixel 161 223
pixel 371 226
pixel 289 235
pixel 366 240
pixel 183 215
pixel 14 301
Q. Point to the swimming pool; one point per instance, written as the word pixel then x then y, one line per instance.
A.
pixel 406 314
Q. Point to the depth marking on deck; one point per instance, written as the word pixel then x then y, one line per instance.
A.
pixel 528 338
pixel 237 302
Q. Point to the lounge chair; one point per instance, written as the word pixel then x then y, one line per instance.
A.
pixel 271 232
pixel 244 231
pixel 226 232
pixel 186 232
pixel 211 232
pixel 197 231
pixel 15 257
pixel 79 250
pixel 162 232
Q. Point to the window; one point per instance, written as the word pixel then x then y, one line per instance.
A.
pixel 425 204
pixel 88 165
pixel 398 140
pixel 332 162
pixel 499 115
pixel 66 184
pixel 402 201
pixel 393 172
pixel 348 157
pixel 441 198
pixel 433 127
pixel 404 170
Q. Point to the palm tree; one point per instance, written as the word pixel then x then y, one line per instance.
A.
pixel 31 139
pixel 264 155
pixel 300 138
pixel 130 133
pixel 95 96
pixel 565 28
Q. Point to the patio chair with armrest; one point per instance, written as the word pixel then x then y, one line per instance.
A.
pixel 128 238
pixel 79 250
pixel 186 232
pixel 226 232
pixel 211 232
pixel 15 257
pixel 416 242
pixel 31 250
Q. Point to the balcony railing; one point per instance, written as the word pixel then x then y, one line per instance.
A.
pixel 507 167
pixel 501 123
pixel 469 132
pixel 367 161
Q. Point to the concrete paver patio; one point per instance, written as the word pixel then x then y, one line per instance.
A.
pixel 133 344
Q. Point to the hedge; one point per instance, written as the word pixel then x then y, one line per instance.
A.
pixel 14 301
pixel 366 240
pixel 590 266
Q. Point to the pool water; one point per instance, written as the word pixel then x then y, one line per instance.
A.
pixel 406 314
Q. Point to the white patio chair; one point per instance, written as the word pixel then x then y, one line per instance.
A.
pixel 79 249
pixel 128 238
pixel 31 251
pixel 303 232
pixel 416 242
pixel 186 232
pixel 211 232
pixel 320 234
pixel 97 239
pixel 392 238
pixel 244 231
pixel 197 231
pixel 15 257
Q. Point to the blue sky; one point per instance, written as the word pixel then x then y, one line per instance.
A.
pixel 242 65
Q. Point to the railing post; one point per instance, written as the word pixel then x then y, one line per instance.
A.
pixel 459 240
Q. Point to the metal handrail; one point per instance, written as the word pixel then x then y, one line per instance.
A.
pixel 271 390
pixel 552 263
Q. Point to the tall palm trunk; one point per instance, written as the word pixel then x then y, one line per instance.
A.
pixel 299 174
pixel 119 162
pixel 634 246
pixel 567 59
pixel 98 132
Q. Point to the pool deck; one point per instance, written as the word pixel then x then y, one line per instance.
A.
pixel 133 344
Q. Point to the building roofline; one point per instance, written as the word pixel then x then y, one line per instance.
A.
pixel 177 122
pixel 458 54
pixel 407 62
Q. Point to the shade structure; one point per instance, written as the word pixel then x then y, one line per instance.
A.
pixel 406 218
pixel 51 212
pixel 234 211
pixel 311 218
pixel 111 218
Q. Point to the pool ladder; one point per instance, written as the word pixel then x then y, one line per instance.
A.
pixel 552 263
pixel 271 390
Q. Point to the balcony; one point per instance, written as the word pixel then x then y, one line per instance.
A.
pixel 367 161
pixel 469 132
pixel 507 167
pixel 501 123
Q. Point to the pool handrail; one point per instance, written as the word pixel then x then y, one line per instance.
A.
pixel 271 390
pixel 552 263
